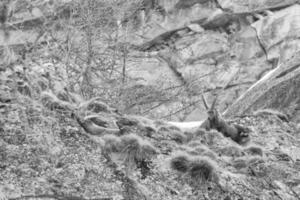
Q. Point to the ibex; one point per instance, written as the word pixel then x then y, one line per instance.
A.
pixel 215 121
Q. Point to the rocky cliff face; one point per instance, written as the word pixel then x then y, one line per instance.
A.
pixel 278 90
pixel 223 47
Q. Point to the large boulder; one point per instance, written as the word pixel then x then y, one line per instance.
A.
pixel 279 33
pixel 279 89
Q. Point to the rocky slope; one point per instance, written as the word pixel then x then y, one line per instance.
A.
pixel 53 146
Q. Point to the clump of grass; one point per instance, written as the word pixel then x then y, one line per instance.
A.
pixel 63 95
pixel 233 151
pixel 210 136
pixel 198 150
pixel 132 149
pixel 147 150
pixel 167 128
pixel 149 130
pixel 256 166
pixel 49 100
pixel 254 150
pixel 180 162
pixel 174 128
pixel 135 148
pixel 127 122
pixel 183 4
pixel 277 113
pixel 24 88
pixel 245 162
pixel 95 105
pixel 189 136
pixel 202 169
pixel 183 148
pixel 210 154
pixel 204 151
pixel 112 143
pixel 178 137
pixel 240 163
pixel 194 143
pixel 255 160
pixel 200 132
pixel 159 123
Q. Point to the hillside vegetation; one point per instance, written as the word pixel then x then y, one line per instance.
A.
pixel 97 99
pixel 61 150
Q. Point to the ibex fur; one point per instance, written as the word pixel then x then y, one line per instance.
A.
pixel 215 121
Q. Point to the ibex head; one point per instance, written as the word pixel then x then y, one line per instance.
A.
pixel 211 111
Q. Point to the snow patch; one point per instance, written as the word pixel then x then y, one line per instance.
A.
pixel 186 125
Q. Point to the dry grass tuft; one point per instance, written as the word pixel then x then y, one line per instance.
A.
pixel 179 137
pixel 180 162
pixel 240 163
pixel 112 143
pixel 233 151
pixel 202 169
pixel 200 132
pixel 136 149
pixel 254 150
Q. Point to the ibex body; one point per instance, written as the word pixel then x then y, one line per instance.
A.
pixel 215 121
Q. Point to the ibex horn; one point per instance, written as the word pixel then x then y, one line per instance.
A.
pixel 204 102
pixel 214 103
